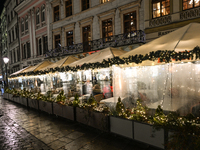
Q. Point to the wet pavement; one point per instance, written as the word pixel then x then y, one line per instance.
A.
pixel 26 129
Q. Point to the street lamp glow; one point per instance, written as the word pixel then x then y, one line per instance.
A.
pixel 6 60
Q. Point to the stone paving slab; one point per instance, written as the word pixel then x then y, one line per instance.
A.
pixel 26 129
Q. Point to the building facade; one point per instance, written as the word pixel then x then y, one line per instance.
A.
pixel 4 43
pixel 32 31
pixel 88 25
pixel 12 37
pixel 164 16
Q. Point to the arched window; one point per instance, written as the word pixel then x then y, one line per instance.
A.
pixel 26 23
pixel 37 16
pixel 43 13
pixel 22 24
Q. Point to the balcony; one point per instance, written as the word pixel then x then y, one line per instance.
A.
pixel 114 41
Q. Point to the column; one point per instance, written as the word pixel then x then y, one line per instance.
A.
pixel 33 32
pixel 48 17
pixel 30 33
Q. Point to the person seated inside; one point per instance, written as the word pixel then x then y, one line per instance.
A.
pixel 96 90
pixel 107 92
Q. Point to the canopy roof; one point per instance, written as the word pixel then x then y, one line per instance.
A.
pixel 62 63
pixel 106 53
pixel 185 38
pixel 38 66
pixel 20 71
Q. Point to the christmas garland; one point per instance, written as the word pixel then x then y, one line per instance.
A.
pixel 164 56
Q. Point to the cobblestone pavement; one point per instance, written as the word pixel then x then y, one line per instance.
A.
pixel 26 129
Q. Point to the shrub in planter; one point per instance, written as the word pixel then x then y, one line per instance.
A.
pixel 89 114
pixel 46 103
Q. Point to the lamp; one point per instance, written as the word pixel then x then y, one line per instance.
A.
pixel 6 60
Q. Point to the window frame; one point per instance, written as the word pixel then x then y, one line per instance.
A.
pixel 28 50
pixel 68 6
pixel 193 5
pixel 69 37
pixel 22 26
pixel 39 48
pixel 104 1
pixel 13 35
pixel 24 51
pixel 88 46
pixel 160 1
pixel 43 9
pixel 37 18
pixel 45 44
pixel 26 23
pixel 86 4
pixel 129 21
pixel 55 40
pixel 57 11
pixel 108 38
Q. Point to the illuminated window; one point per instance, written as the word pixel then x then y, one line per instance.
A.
pixel 85 4
pixel 68 8
pixel 104 1
pixel 107 29
pixel 161 8
pixel 187 4
pixel 69 37
pixel 56 13
pixel 130 22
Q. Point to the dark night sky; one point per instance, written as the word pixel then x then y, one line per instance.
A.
pixel 1 5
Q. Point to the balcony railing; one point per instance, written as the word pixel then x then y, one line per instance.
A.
pixel 114 41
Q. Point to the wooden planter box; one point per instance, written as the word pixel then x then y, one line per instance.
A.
pixel 69 112
pixel 46 106
pixel 33 103
pixel 58 109
pixel 64 111
pixel 92 118
pixel 24 101
pixel 5 95
pixel 121 126
pixel 147 134
pixel 10 97
pixel 16 99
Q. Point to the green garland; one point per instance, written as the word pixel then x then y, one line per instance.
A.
pixel 164 56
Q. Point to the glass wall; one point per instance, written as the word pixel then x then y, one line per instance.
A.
pixel 173 86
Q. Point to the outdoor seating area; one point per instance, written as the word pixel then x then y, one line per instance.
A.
pixel 114 83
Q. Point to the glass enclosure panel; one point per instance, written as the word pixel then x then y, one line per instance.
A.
pixel 186 88
pixel 151 84
pixel 103 77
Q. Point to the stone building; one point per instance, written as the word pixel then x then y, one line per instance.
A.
pixel 12 37
pixel 90 25
pixel 4 43
pixel 32 22
pixel 164 16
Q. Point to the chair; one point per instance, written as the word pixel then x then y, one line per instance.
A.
pixel 107 95
pixel 98 97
